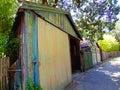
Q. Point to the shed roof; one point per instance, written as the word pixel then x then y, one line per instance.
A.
pixel 38 7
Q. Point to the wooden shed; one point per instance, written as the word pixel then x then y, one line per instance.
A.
pixel 49 46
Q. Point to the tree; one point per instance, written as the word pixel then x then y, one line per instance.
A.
pixel 55 3
pixel 7 12
pixel 95 17
pixel 116 32
pixel 92 17
pixel 109 43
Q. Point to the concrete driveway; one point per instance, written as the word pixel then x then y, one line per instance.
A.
pixel 105 76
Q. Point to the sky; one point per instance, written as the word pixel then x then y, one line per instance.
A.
pixel 119 13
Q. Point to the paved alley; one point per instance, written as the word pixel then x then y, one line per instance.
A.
pixel 105 76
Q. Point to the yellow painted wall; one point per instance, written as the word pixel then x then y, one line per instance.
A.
pixel 54 57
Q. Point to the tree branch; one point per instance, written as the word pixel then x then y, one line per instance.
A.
pixel 55 4
pixel 44 2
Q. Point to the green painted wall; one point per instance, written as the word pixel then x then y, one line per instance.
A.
pixel 60 20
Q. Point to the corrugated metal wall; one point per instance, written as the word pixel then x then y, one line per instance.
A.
pixel 54 57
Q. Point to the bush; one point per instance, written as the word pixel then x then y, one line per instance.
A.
pixel 31 86
pixel 109 43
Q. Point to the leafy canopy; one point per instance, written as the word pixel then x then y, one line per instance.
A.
pixel 109 43
pixel 95 17
pixel 92 17
pixel 7 11
pixel 116 31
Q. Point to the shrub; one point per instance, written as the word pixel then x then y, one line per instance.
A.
pixel 31 86
pixel 109 43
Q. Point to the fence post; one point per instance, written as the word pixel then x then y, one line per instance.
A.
pixel 4 65
pixel 0 74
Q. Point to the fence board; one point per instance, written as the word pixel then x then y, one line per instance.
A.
pixel 107 55
pixel 4 65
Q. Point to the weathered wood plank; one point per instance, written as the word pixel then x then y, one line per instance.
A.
pixel 4 65
pixel 37 6
pixel 35 49
pixel 41 48
pixel 59 20
pixel 23 54
pixel 53 45
pixel 28 41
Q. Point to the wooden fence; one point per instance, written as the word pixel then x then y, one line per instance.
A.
pixel 4 65
pixel 96 55
pixel 106 55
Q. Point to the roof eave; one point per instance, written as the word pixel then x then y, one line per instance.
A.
pixel 74 26
pixel 37 6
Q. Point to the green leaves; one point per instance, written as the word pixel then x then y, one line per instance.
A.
pixel 12 48
pixel 109 43
pixel 7 11
pixel 31 86
pixel 96 17
pixel 116 31
pixel 2 45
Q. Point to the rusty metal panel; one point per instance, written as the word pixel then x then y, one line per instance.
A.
pixel 54 57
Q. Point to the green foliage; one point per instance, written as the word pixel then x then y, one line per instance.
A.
pixel 7 10
pixel 12 48
pixel 31 86
pixel 94 18
pixel 109 43
pixel 91 30
pixel 2 45
pixel 116 32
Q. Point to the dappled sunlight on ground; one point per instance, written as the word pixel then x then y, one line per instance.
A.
pixel 117 74
pixel 116 62
pixel 111 69
pixel 105 76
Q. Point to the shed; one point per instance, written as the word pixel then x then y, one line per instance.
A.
pixel 87 55
pixel 49 46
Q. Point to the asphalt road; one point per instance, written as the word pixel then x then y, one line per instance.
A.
pixel 105 76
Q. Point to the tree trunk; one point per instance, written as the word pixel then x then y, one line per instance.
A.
pixel 44 2
pixel 78 2
pixel 101 56
pixel 55 4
